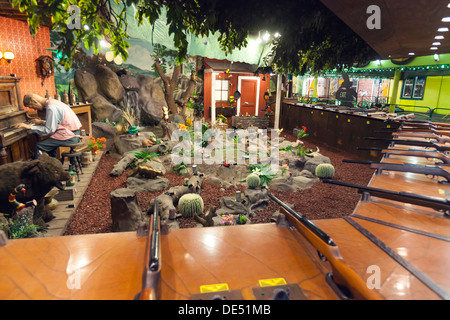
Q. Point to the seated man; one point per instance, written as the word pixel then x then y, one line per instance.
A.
pixel 61 124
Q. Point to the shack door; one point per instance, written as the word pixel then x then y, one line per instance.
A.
pixel 249 89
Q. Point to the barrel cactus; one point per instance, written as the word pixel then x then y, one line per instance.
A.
pixel 190 204
pixel 252 181
pixel 325 171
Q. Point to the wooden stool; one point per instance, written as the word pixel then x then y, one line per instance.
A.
pixel 74 157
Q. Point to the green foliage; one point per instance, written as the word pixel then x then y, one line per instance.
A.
pixel 181 169
pixel 19 228
pixel 288 148
pixel 142 157
pixel 325 171
pixel 264 172
pixel 252 180
pixel 313 38
pixel 190 204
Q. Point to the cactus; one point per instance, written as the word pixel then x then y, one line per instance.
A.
pixel 325 171
pixel 190 204
pixel 252 180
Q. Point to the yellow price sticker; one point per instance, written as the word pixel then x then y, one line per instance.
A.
pixel 337 117
pixel 368 122
pixel 348 120
pixel 272 282
pixel 214 287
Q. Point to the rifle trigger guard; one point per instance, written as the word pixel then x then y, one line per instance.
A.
pixel 444 182
pixel 321 256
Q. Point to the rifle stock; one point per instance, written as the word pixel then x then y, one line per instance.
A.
pixel 152 270
pixel 342 273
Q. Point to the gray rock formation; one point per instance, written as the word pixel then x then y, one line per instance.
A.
pixel 148 185
pixel 92 89
pixel 151 100
pixel 125 211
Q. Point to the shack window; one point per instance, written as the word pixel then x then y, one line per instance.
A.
pixel 222 86
pixel 414 88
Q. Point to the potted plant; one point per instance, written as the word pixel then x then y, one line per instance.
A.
pixel 95 145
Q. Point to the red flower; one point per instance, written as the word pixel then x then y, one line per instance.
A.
pixel 304 128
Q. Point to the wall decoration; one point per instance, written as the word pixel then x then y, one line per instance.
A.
pixel 44 65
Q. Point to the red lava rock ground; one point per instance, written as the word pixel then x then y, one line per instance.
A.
pixel 322 201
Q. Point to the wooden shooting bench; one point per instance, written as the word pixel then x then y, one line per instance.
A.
pixel 387 249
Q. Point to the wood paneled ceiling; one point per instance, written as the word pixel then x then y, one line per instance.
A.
pixel 406 26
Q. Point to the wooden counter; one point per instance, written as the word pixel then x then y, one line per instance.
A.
pixel 338 129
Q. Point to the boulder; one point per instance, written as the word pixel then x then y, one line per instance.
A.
pixel 103 109
pixel 129 83
pixel 291 183
pixel 151 111
pixel 86 85
pixel 151 100
pixel 109 84
pixel 127 142
pixel 147 185
pixel 229 205
pixel 312 163
pixel 125 210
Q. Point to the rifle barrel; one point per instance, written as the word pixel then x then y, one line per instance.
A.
pixel 154 256
pixel 408 197
pixel 305 221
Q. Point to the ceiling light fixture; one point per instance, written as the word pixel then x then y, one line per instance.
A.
pixel 433 48
pixel 436 43
pixel 443 29
pixel 439 37
pixel 411 53
pixel 446 19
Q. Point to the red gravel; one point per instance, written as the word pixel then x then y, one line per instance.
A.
pixel 322 201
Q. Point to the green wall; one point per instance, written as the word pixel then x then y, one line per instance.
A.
pixel 437 87
pixel 437 95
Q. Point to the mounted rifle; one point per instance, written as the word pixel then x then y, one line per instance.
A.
pixel 426 124
pixel 412 168
pixel 343 275
pixel 152 270
pixel 417 143
pixel 406 197
pixel 417 153
pixel 425 135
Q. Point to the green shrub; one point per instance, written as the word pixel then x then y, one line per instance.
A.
pixel 190 204
pixel 325 171
pixel 252 181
